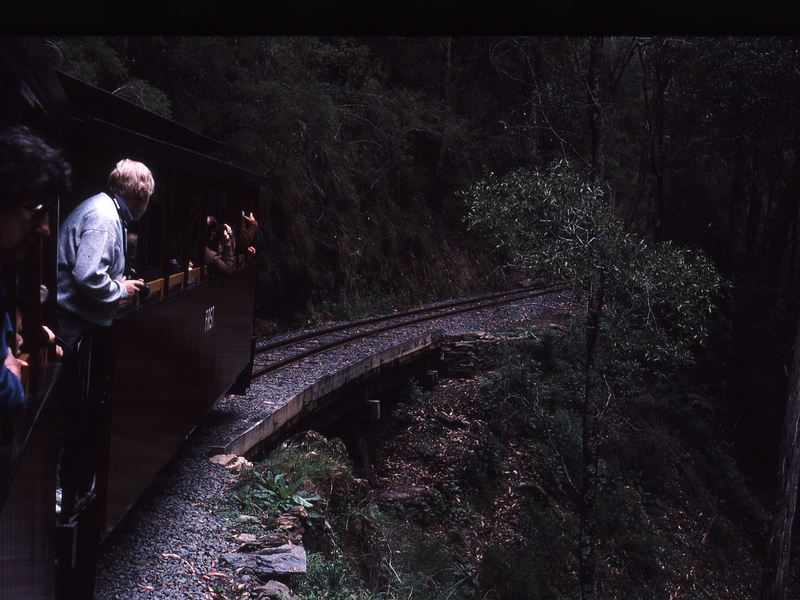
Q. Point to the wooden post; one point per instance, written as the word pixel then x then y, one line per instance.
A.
pixel 186 223
pixel 430 380
pixel 166 229
pixel 363 447
pixel 375 409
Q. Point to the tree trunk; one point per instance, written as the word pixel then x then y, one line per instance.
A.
pixel 737 208
pixel 448 50
pixel 535 74
pixel 591 412
pixel 632 205
pixel 437 176
pixel 776 564
pixel 754 216
pixel 591 419
pixel 785 214
pixel 595 114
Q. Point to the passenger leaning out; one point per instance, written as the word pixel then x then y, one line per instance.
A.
pixel 92 250
pixel 219 247
pixel 91 282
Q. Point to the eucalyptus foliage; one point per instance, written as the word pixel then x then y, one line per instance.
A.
pixel 551 223
pixel 663 294
pixel 555 224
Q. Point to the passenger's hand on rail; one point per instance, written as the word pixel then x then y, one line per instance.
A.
pixel 51 341
pixel 51 337
pixel 13 364
pixel 132 286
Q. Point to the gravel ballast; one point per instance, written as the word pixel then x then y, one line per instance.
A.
pixel 171 542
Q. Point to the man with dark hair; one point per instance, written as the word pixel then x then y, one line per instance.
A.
pixel 32 176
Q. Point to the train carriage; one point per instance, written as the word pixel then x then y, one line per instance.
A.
pixel 170 355
pixel 30 94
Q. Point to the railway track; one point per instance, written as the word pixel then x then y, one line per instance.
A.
pixel 356 330
pixel 175 525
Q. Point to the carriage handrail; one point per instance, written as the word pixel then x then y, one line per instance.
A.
pixel 23 422
pixel 186 279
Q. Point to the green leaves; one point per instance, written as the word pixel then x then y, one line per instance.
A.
pixel 94 60
pixel 272 494
pixel 557 225
pixel 667 294
pixel 552 222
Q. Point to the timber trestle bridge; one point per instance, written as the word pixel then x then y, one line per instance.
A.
pixel 338 393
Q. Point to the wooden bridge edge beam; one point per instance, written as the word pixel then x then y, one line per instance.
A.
pixel 312 397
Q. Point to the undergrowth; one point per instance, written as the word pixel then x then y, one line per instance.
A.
pixel 670 495
pixel 346 308
pixel 500 520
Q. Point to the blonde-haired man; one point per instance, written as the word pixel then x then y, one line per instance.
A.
pixel 91 251
pixel 91 282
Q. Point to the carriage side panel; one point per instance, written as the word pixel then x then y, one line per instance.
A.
pixel 194 344
pixel 27 532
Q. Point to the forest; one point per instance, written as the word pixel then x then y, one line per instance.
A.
pixel 373 144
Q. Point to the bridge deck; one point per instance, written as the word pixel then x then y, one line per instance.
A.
pixel 327 390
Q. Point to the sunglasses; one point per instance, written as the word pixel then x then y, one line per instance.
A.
pixel 40 211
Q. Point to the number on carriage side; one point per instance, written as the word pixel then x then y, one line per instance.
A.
pixel 209 318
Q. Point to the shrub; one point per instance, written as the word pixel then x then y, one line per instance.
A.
pixel 327 579
pixel 483 465
pixel 510 574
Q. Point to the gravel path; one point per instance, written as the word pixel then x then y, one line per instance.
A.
pixel 169 545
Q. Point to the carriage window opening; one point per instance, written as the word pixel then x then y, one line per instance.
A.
pixel 171 195
pixel 179 200
pixel 148 238
pixel 190 233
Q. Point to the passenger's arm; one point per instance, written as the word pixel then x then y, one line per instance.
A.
pixel 12 394
pixel 220 263
pixel 248 231
pixel 92 263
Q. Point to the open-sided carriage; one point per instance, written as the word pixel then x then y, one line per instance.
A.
pixel 171 355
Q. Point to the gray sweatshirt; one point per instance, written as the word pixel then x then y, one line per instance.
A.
pixel 91 260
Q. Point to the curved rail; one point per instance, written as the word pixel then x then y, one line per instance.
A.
pixel 443 310
pixel 290 341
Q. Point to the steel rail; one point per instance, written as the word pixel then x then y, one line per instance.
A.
pixel 454 308
pixel 290 341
